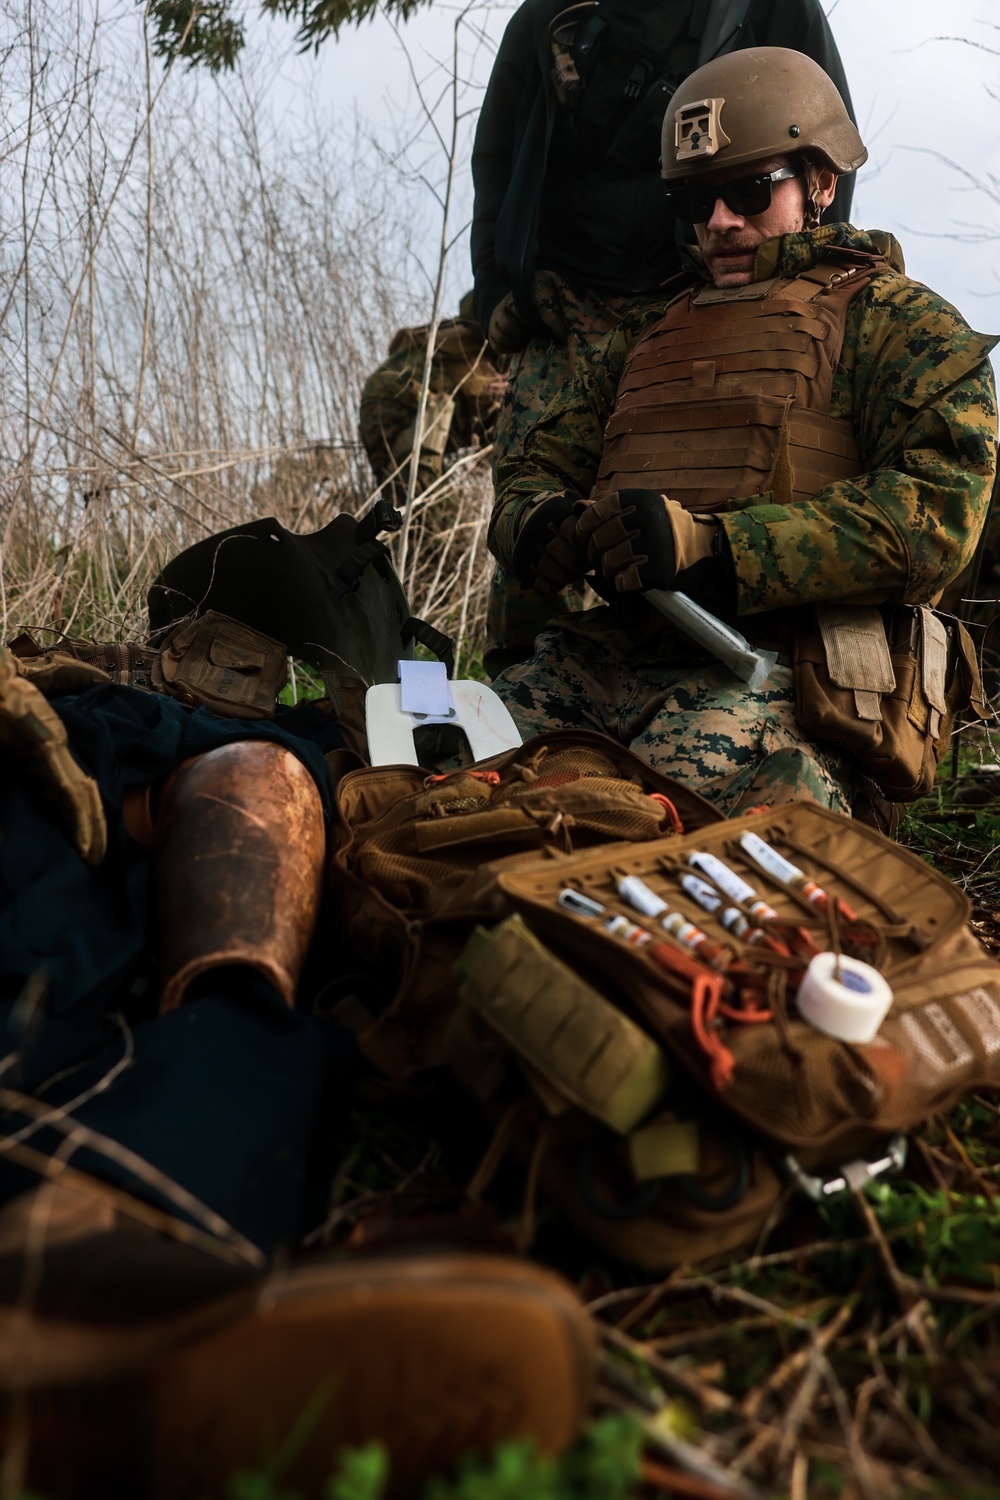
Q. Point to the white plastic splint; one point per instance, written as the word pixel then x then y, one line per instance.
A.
pixel 424 695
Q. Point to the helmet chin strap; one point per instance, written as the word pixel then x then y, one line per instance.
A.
pixel 813 207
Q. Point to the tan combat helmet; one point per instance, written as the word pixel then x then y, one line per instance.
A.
pixel 755 104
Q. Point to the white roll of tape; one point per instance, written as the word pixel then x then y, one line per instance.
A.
pixel 844 997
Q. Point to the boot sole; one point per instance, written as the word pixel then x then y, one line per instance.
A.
pixel 432 1356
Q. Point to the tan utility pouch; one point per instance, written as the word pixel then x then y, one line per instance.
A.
pixel 885 685
pixel 217 662
pixel 438 416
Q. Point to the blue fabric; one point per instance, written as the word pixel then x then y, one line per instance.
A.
pixel 221 1095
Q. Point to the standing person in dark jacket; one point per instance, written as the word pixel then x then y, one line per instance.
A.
pixel 570 228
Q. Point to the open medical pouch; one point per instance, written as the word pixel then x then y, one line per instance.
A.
pixel 664 1103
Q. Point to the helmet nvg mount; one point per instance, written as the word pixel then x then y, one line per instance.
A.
pixel 751 105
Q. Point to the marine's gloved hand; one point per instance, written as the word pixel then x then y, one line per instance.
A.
pixel 508 333
pixel 547 554
pixel 638 539
pixel 33 737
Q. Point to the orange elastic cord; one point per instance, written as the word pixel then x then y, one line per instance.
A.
pixel 706 996
pixel 749 1017
pixel 673 816
pixel 707 989
pixel 804 942
pixel 819 898
pixel 751 1007
pixel 491 778
pixel 759 938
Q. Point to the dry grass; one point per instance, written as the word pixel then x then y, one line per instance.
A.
pixel 187 311
pixel 189 305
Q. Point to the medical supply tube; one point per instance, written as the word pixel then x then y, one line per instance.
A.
pixel 752 666
pixel 732 919
pixel 733 886
pixel 785 873
pixel 618 925
pixel 638 894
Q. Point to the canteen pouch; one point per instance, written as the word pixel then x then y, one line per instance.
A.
pixel 222 664
pixel 885 686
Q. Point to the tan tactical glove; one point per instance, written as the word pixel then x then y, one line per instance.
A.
pixel 638 539
pixel 508 332
pixel 547 555
pixel 56 672
pixel 33 735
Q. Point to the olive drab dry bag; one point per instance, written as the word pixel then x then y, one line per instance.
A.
pixel 299 589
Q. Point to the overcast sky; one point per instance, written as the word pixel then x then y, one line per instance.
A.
pixel 923 97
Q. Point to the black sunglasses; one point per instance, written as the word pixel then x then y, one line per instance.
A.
pixel 695 201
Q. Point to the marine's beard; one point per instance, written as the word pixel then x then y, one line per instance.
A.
pixel 729 257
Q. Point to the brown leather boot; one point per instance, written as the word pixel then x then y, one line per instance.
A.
pixel 431 1355
pixel 238 867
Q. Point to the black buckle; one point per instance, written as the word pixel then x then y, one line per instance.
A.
pixel 435 640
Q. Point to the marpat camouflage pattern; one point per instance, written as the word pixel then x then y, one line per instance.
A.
pixel 917 385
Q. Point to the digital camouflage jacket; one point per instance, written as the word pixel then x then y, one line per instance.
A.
pixel 916 382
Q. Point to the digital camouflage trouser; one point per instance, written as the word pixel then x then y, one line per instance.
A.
pixel 697 724
pixel 574 318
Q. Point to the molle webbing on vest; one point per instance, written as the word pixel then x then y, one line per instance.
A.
pixel 729 394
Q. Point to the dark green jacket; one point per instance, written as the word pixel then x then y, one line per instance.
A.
pixel 548 196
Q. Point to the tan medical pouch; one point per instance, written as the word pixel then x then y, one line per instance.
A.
pixel 583 1051
pixel 222 664
pixel 798 1100
pixel 885 685
pixel 790 1081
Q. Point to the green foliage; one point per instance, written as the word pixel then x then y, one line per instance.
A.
pixel 207 33
pixel 603 1466
pixel 935 837
pixel 308 686
pixel 362 1474
pixel 199 31
pixel 937 1237
pixel 319 19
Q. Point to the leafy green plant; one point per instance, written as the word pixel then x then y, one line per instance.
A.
pixel 603 1465
pixel 362 1474
pixel 212 34
pixel 938 1237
